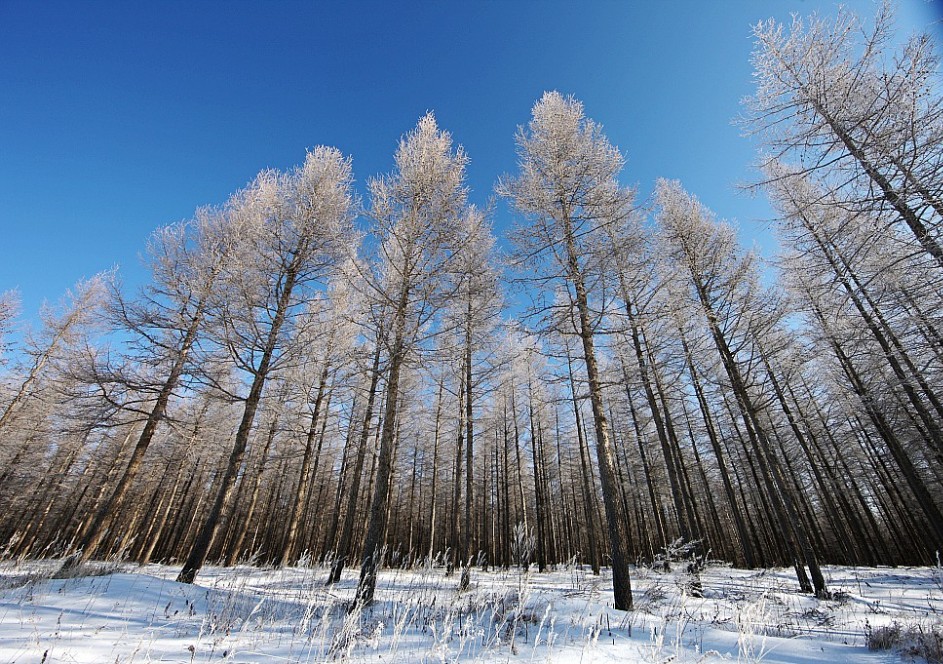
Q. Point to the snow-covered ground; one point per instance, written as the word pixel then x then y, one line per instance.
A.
pixel 247 614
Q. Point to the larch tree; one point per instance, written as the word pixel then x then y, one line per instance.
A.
pixel 723 284
pixel 568 191
pixel 870 276
pixel 641 305
pixel 416 212
pixel 327 339
pixel 358 438
pixel 849 277
pixel 163 325
pixel 61 326
pixel 301 223
pixel 865 121
pixel 472 314
pixel 53 421
pixel 9 310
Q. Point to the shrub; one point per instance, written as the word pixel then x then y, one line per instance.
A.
pixel 916 640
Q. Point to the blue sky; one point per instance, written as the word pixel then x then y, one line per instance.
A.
pixel 116 118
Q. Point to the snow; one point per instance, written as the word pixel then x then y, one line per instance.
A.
pixel 248 614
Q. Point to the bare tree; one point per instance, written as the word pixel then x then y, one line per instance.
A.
pixel 867 123
pixel 301 223
pixel 327 339
pixel 567 190
pixel 416 213
pixel 723 282
pixel 61 326
pixel 472 314
pixel 164 324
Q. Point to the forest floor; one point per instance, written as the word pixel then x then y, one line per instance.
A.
pixel 127 613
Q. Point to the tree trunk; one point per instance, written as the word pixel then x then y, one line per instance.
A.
pixel 343 546
pixel 306 477
pixel 221 504
pixel 615 516
pixel 469 458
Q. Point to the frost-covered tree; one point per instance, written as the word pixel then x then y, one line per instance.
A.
pixel 298 223
pixel 889 334
pixel 326 334
pixel 62 326
pixel 866 121
pixel 368 374
pixel 568 192
pixel 50 417
pixel 723 284
pixel 472 315
pixel 162 325
pixel 417 214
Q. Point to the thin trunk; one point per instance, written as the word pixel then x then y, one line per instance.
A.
pixel 306 476
pixel 433 491
pixel 615 514
pixel 343 546
pixel 469 457
pixel 456 481
pixel 221 504
pixel 585 473
pixel 235 548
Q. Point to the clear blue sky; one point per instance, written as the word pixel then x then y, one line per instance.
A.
pixel 117 117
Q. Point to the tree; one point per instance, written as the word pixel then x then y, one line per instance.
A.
pixel 416 212
pixel 301 222
pixel 342 549
pixel 473 314
pixel 62 326
pixel 867 123
pixel 842 280
pixel 568 191
pixel 723 282
pixel 164 324
pixel 818 227
pixel 327 338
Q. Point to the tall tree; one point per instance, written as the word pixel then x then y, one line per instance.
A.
pixel 567 189
pixel 723 282
pixel 163 325
pixel 327 338
pixel 301 223
pixel 866 122
pixel 417 212
pixel 342 548
pixel 473 314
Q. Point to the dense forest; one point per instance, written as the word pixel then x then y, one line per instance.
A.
pixel 312 374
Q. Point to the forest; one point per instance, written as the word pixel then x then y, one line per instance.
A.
pixel 377 380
